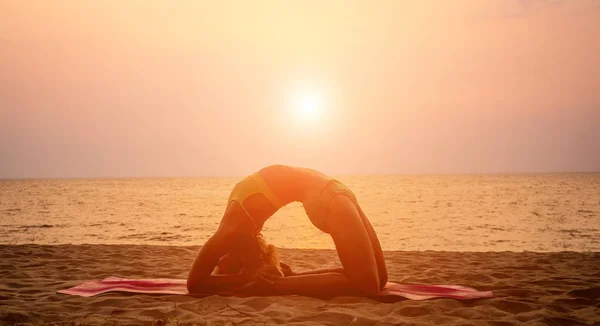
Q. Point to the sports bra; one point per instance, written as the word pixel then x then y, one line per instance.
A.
pixel 252 185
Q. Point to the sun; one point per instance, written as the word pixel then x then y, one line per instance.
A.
pixel 307 106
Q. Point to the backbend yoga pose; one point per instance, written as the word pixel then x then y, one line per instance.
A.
pixel 236 257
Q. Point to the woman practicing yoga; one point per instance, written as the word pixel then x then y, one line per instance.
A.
pixel 237 258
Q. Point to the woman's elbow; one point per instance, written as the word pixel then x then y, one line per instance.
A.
pixel 193 286
pixel 201 286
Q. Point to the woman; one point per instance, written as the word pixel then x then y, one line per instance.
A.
pixel 330 206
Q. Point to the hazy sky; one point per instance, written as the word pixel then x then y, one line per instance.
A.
pixel 192 88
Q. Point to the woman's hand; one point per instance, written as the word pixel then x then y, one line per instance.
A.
pixel 262 281
pixel 286 269
pixel 252 287
pixel 268 274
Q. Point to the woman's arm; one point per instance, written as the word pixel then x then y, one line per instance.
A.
pixel 218 283
pixel 313 284
pixel 322 271
pixel 325 284
pixel 200 279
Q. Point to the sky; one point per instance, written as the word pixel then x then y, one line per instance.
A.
pixel 222 88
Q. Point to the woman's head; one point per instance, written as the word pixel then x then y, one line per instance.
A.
pixel 249 253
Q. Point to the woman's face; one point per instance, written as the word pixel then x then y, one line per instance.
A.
pixel 230 264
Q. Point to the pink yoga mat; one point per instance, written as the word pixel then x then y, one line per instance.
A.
pixel 178 286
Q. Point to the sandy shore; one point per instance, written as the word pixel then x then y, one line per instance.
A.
pixel 532 289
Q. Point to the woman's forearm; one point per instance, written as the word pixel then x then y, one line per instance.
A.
pixel 219 283
pixel 327 283
pixel 322 271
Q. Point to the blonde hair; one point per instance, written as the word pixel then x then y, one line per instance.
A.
pixel 255 252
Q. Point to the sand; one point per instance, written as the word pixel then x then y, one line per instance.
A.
pixel 532 288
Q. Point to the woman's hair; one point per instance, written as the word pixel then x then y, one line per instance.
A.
pixel 254 252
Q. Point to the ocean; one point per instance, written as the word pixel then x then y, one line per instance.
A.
pixel 503 212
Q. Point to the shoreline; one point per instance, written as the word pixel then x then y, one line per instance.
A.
pixel 531 287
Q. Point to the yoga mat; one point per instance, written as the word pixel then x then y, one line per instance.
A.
pixel 178 286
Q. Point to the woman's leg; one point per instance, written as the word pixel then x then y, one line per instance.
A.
pixel 353 243
pixel 381 268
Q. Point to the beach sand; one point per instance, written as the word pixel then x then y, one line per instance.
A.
pixel 531 288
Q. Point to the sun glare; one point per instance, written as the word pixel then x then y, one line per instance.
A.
pixel 307 106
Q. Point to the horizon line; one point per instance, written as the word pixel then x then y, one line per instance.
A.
pixel 362 174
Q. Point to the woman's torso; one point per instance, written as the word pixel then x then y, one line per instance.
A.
pixel 263 193
pixel 290 183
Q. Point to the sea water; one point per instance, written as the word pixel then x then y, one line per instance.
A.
pixel 521 212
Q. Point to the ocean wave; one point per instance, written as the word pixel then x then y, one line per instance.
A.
pixel 42 226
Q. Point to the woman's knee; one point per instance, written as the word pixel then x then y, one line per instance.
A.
pixel 383 279
pixel 368 283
